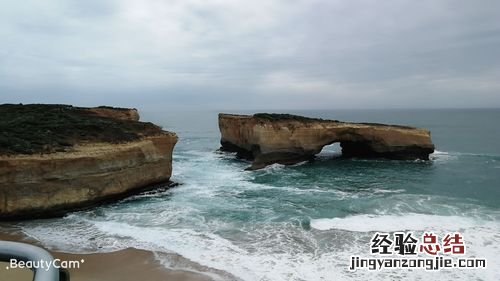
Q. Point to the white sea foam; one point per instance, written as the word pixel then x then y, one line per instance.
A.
pixel 382 190
pixel 442 156
pixel 481 237
pixel 274 167
pixel 216 252
pixel 300 164
pixel 437 152
pixel 454 154
pixel 282 252
pixel 365 223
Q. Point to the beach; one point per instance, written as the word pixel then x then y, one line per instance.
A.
pixel 125 265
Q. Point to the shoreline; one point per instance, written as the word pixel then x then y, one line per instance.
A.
pixel 130 264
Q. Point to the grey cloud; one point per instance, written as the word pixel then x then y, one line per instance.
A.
pixel 259 54
pixel 91 9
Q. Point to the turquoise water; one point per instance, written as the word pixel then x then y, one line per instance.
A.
pixel 303 222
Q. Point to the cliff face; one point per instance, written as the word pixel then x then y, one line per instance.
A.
pixel 116 113
pixel 45 184
pixel 288 139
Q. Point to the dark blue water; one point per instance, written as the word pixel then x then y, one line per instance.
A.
pixel 303 222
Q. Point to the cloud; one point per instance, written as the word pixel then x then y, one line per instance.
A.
pixel 251 54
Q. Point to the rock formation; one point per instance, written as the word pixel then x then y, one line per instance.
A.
pixel 80 163
pixel 289 139
pixel 117 113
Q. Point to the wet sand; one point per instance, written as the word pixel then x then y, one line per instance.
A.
pixel 124 265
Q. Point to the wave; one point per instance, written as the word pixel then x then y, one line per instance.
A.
pixel 457 153
pixel 273 168
pixel 442 156
pixel 391 223
pixel 278 251
pixel 437 152
pixel 481 237
pixel 275 256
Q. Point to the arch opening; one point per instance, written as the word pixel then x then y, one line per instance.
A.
pixel 332 150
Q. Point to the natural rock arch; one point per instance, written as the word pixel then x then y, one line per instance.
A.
pixel 289 139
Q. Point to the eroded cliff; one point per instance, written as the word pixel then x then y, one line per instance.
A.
pixel 289 139
pixel 97 159
pixel 117 113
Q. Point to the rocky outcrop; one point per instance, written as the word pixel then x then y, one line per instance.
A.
pixel 44 184
pixel 117 113
pixel 289 139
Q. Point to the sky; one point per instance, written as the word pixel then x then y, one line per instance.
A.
pixel 259 54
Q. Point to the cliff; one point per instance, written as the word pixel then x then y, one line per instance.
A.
pixel 58 158
pixel 117 113
pixel 289 139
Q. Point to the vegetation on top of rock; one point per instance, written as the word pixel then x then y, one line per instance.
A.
pixel 280 116
pixel 387 125
pixel 114 108
pixel 42 128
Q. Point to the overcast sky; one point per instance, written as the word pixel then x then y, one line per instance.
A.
pixel 258 54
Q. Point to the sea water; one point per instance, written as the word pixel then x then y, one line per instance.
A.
pixel 304 222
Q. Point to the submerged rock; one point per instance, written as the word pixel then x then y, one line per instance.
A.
pixel 290 139
pixel 59 158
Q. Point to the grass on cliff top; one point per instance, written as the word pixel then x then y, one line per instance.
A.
pixel 41 128
pixel 291 117
pixel 114 108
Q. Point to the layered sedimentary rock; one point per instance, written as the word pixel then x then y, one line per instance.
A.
pixel 289 139
pixel 117 113
pixel 91 168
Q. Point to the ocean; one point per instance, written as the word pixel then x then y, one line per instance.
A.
pixel 304 222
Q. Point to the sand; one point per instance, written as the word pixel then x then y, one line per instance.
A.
pixel 124 265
